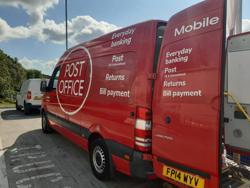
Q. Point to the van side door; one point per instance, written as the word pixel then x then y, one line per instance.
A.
pixel 188 95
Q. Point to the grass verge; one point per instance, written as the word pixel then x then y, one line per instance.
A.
pixel 7 103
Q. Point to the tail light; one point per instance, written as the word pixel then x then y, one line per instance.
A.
pixel 29 95
pixel 143 130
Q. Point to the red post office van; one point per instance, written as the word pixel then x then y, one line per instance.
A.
pixel 147 99
pixel 100 97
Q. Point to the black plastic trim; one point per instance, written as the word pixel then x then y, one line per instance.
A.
pixel 119 149
pixel 30 105
pixel 75 128
pixel 139 167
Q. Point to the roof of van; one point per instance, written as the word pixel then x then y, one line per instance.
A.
pixel 35 79
pixel 100 38
pixel 238 35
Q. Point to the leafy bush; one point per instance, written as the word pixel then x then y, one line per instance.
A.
pixel 12 74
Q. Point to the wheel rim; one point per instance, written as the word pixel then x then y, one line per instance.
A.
pixel 99 161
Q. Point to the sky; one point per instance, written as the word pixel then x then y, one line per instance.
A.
pixel 34 30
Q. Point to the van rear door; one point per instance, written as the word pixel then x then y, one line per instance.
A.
pixel 187 97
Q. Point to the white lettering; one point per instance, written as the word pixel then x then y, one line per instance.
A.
pixel 114 93
pixel 180 94
pixel 169 71
pixel 126 41
pixel 116 58
pixel 112 77
pixel 178 56
pixel 72 69
pixel 196 25
pixel 129 31
pixel 71 87
pixel 174 84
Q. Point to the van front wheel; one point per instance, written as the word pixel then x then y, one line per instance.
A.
pixel 18 108
pixel 45 124
pixel 99 159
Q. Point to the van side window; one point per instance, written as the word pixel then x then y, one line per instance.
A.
pixel 54 79
pixel 159 36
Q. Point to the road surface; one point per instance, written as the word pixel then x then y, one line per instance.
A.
pixel 29 158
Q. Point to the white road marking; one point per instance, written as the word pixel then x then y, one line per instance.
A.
pixel 15 150
pixel 37 157
pixel 24 183
pixel 57 179
pixel 27 154
pixel 30 157
pixel 20 183
pixel 3 175
pixel 34 155
pixel 16 169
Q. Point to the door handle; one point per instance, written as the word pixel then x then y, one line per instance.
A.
pixel 132 114
pixel 167 120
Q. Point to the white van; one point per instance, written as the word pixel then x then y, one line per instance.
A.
pixel 29 97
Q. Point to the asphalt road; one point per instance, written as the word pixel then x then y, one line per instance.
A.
pixel 29 158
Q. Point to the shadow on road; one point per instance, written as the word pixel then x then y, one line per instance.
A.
pixel 12 114
pixel 39 160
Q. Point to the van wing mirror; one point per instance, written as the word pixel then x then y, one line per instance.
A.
pixel 43 86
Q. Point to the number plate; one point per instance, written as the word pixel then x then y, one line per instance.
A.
pixel 37 98
pixel 183 177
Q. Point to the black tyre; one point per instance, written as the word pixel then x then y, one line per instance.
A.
pixel 100 160
pixel 18 108
pixel 45 124
pixel 27 109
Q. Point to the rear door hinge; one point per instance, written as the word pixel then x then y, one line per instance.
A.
pixel 152 76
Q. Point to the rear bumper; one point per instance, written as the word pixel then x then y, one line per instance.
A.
pixel 30 105
pixel 140 167
pixel 137 165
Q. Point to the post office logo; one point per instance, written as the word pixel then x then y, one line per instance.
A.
pixel 74 80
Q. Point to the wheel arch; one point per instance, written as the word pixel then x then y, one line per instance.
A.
pixel 92 137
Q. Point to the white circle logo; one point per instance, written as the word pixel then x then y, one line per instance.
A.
pixel 74 81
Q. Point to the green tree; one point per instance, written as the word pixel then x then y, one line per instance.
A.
pixel 12 74
pixel 33 73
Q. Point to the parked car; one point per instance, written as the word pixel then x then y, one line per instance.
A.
pixel 29 97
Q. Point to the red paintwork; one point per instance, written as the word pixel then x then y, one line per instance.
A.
pixel 121 165
pixel 109 116
pixel 192 138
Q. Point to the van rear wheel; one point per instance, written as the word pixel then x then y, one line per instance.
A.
pixel 18 108
pixel 100 160
pixel 45 124
pixel 27 108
